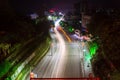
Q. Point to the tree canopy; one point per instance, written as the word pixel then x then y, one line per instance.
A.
pixel 107 28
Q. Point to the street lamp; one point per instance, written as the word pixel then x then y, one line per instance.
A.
pixel 84 50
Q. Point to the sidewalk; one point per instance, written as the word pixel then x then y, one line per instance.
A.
pixel 87 63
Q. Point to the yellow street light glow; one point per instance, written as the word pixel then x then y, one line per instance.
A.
pixel 68 38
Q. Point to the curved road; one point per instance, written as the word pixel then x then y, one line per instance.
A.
pixel 65 59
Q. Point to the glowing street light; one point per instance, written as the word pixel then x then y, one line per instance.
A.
pixel 49 17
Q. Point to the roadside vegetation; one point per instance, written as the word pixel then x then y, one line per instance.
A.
pixel 19 38
pixel 106 31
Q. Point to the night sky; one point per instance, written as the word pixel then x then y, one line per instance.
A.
pixel 32 5
pixel 59 5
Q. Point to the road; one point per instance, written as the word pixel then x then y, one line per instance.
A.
pixel 64 59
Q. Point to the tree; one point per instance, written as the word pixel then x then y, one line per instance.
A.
pixel 107 29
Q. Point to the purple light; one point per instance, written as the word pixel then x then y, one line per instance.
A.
pixel 34 16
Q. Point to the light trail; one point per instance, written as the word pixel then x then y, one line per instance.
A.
pixel 57 25
pixel 68 38
pixel 62 53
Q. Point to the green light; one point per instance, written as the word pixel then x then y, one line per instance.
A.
pixel 87 56
pixel 93 48
pixel 71 29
